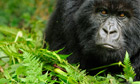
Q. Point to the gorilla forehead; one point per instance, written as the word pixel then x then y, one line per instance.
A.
pixel 115 1
pixel 115 4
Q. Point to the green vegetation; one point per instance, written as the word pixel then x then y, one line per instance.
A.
pixel 24 61
pixel 23 13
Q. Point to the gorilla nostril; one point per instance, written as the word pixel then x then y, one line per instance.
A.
pixel 112 32
pixel 105 30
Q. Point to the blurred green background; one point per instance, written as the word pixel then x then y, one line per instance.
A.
pixel 24 13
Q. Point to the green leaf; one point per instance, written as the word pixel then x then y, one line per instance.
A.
pixel 129 72
pixel 3 81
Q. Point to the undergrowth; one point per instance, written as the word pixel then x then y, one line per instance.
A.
pixel 24 61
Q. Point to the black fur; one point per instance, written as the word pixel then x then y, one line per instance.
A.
pixel 73 26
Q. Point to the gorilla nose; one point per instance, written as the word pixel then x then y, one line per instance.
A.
pixel 109 33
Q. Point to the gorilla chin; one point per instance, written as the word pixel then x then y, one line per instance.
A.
pixel 96 32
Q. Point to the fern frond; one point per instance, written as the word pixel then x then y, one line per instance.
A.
pixel 129 72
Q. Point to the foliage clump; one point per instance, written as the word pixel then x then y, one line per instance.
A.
pixel 24 61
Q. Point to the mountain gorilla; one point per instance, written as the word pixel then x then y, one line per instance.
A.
pixel 96 32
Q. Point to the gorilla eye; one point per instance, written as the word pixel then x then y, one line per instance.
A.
pixel 104 12
pixel 123 14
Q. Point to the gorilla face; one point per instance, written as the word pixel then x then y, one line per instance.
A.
pixel 108 27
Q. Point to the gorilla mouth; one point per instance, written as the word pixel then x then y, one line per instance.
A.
pixel 108 46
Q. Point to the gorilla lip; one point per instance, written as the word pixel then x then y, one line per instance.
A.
pixel 108 46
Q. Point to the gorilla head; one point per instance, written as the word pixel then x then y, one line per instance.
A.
pixel 97 32
pixel 108 28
